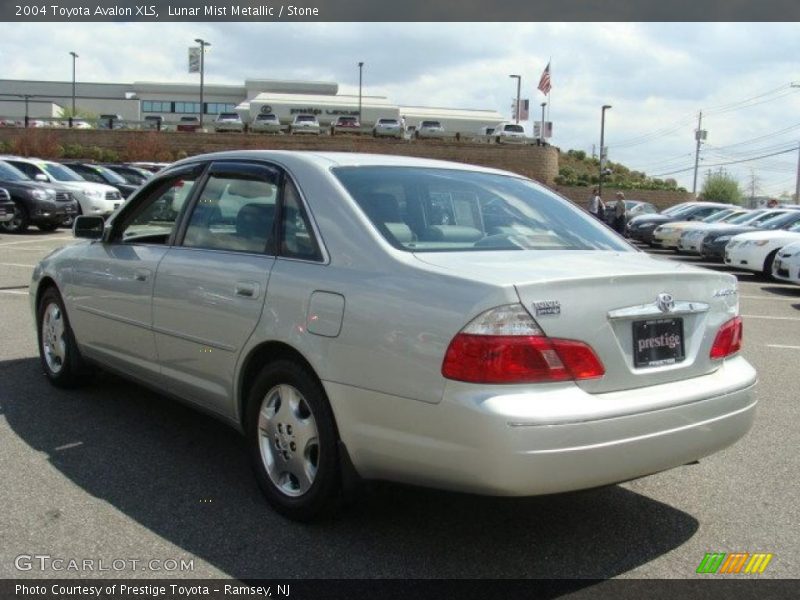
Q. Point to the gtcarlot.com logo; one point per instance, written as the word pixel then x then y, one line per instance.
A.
pixel 734 563
pixel 46 562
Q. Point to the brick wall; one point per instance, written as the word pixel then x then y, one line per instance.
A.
pixel 660 198
pixel 540 163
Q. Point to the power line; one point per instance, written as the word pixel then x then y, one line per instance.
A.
pixel 732 162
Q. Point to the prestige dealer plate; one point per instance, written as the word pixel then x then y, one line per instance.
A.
pixel 658 342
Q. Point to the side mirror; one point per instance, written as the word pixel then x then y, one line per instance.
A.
pixel 40 177
pixel 88 227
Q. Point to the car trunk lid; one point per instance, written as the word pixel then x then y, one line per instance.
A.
pixel 610 300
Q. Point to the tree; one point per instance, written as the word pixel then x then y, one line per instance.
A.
pixel 65 112
pixel 721 187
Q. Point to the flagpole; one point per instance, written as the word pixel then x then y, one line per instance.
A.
pixel 549 99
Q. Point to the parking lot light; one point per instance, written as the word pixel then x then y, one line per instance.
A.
pixel 72 115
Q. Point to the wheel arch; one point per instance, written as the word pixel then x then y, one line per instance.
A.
pixel 257 358
pixel 45 283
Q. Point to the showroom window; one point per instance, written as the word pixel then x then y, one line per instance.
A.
pixel 156 106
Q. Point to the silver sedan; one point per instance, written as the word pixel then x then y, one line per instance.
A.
pixel 379 317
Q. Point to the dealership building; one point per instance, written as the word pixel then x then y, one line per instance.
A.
pixel 137 100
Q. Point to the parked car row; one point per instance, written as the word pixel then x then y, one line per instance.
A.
pixel 755 240
pixel 49 194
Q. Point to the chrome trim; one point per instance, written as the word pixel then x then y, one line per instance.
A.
pixel 101 313
pixel 652 310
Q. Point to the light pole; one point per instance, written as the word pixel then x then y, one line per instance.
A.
pixel 519 85
pixel 541 129
pixel 602 147
pixel 360 79
pixel 72 116
pixel 203 45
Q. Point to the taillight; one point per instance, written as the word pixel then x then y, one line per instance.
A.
pixel 505 345
pixel 728 340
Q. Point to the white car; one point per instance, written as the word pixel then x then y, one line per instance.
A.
pixel 266 123
pixel 509 133
pixel 305 124
pixel 786 265
pixel 386 127
pixel 94 198
pixel 756 251
pixel 669 235
pixel 429 129
pixel 228 121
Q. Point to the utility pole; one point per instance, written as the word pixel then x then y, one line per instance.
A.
pixel 72 116
pixel 699 135
pixel 360 81
pixel 797 183
pixel 203 45
pixel 602 147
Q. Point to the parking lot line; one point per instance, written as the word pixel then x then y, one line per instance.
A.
pixel 34 241
pixel 14 292
pixel 782 346
pixel 17 265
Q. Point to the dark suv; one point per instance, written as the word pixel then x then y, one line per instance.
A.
pixel 6 206
pixel 44 205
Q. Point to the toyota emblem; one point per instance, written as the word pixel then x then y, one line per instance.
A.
pixel 665 302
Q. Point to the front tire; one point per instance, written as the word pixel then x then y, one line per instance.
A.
pixel 767 270
pixel 48 226
pixel 293 442
pixel 59 355
pixel 19 223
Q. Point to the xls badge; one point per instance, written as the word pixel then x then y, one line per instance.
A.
pixel 547 307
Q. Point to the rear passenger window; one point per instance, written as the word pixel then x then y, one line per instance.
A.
pixel 234 212
pixel 297 237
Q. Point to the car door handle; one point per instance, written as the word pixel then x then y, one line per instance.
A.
pixel 248 289
pixel 141 274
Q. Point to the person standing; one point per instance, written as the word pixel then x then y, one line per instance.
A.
pixel 620 214
pixel 596 206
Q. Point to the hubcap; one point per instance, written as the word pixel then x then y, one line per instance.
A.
pixel 53 344
pixel 288 440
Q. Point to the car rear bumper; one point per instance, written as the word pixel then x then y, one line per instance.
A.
pixel 510 442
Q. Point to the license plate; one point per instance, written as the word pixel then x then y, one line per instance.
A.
pixel 658 342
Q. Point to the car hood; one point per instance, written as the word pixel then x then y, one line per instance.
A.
pixel 87 186
pixel 755 236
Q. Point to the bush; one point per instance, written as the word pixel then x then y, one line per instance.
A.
pixel 40 143
pixel 150 146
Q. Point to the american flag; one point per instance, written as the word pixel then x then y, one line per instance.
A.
pixel 544 81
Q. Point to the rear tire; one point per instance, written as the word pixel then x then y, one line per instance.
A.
pixel 293 442
pixel 48 226
pixel 59 355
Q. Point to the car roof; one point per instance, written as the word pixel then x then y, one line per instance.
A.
pixel 342 159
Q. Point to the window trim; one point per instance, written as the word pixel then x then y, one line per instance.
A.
pixel 131 209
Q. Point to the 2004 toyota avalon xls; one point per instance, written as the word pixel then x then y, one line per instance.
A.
pixel 400 319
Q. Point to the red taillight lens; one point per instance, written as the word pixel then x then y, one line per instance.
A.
pixel 518 359
pixel 728 340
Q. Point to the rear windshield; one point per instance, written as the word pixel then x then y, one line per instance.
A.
pixel 388 121
pixel 269 117
pixel 306 118
pixel 347 119
pixel 442 210
pixel 515 128
pixel 431 124
pixel 229 115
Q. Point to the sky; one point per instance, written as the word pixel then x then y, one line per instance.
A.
pixel 656 77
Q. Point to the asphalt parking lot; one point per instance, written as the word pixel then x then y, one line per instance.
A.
pixel 115 472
